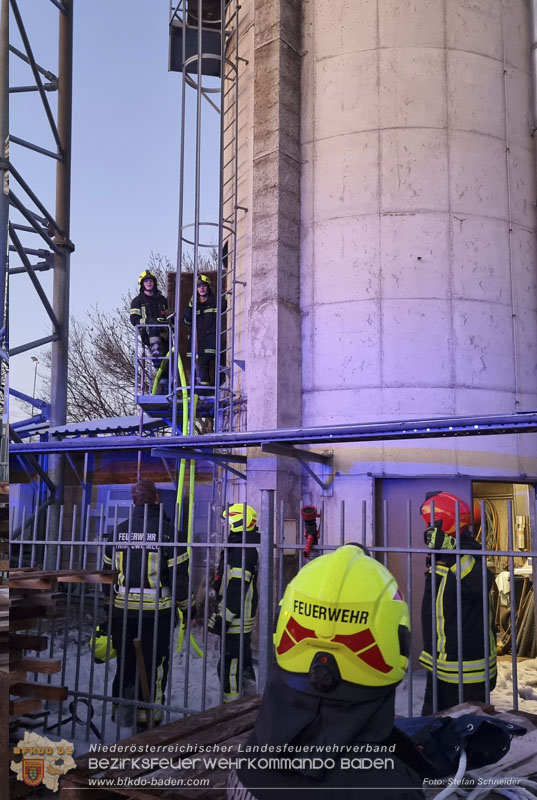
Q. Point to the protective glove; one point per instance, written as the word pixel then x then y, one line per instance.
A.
pixel 215 624
pixel 436 539
pixel 183 606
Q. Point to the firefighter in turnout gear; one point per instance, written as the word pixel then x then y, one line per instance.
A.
pixel 145 558
pixel 342 644
pixel 206 326
pixel 441 632
pixel 150 307
pixel 238 580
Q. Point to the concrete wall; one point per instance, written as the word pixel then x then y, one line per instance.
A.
pixel 418 279
pixel 418 270
pixel 418 210
pixel 270 256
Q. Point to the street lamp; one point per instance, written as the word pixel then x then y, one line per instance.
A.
pixel 36 362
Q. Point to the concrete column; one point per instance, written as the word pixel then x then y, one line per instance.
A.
pixel 274 361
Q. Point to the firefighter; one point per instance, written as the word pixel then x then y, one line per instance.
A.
pixel 150 307
pixel 143 607
pixel 342 644
pixel 441 537
pixel 206 319
pixel 237 586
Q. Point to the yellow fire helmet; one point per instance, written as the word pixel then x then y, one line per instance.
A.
pixel 146 274
pixel 104 650
pixel 236 517
pixel 204 279
pixel 343 617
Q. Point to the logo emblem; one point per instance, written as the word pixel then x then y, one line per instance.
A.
pixel 33 771
pixel 43 760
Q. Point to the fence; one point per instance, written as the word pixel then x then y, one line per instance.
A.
pixel 97 708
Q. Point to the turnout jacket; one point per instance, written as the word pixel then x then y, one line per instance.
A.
pixel 232 580
pixel 445 609
pixel 146 562
pixel 206 317
pixel 149 310
pixel 308 735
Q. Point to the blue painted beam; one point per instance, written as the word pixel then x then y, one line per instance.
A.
pixel 362 432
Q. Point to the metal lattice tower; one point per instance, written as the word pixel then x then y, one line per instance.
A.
pixel 32 216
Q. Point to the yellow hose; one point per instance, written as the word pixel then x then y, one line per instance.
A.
pixel 190 528
pixel 181 482
pixel 158 373
pixel 180 487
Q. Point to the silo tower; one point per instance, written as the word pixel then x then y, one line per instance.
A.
pixel 388 161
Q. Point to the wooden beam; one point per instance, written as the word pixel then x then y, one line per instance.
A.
pixel 42 690
pixel 24 641
pixel 46 666
pixel 19 708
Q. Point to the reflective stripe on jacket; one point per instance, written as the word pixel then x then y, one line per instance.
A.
pixel 145 561
pixel 471 619
pixel 234 578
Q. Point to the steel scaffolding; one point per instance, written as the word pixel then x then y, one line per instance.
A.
pixel 32 215
pixel 204 48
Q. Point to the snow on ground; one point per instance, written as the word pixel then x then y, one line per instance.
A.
pixel 502 696
pixel 200 675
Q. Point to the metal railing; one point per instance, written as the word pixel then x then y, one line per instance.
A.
pixel 194 681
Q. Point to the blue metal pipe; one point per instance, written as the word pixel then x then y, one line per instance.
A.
pixel 363 432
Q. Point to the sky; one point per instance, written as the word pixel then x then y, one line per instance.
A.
pixel 125 156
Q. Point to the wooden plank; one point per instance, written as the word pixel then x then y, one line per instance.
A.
pixel 217 734
pixel 46 666
pixel 4 735
pixel 74 788
pixel 217 778
pixel 85 576
pixel 215 790
pixel 19 708
pixel 16 676
pixel 31 583
pixel 23 641
pixel 24 570
pixel 23 612
pixel 24 575
pixel 22 624
pixel 43 599
pixel 43 690
pixel 185 728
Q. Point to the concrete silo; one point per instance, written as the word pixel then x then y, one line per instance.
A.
pixel 389 168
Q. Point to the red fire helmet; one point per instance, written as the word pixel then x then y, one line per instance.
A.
pixel 445 505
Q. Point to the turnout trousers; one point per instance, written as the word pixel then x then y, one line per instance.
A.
pixel 155 640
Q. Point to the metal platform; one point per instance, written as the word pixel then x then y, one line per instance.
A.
pixel 159 405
